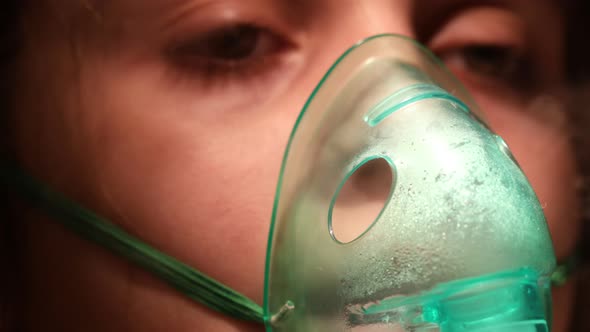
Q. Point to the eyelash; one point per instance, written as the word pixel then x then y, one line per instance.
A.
pixel 203 58
pixel 498 64
pixel 197 57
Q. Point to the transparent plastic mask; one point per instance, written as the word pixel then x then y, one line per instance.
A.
pixel 460 243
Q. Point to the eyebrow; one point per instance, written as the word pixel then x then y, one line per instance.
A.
pixel 451 5
pixel 427 15
pixel 106 8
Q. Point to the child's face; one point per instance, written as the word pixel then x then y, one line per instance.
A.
pixel 171 118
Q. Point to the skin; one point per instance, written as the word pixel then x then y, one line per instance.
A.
pixel 187 159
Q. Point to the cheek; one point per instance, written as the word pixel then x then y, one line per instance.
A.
pixel 200 189
pixel 546 157
pixel 194 181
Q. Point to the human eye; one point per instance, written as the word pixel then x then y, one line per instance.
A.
pixel 495 64
pixel 234 53
pixel 487 49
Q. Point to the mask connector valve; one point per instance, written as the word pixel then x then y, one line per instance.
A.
pixel 506 302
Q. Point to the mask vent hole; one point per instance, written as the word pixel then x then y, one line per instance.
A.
pixel 360 199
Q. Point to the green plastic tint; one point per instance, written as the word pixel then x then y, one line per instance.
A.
pixel 461 243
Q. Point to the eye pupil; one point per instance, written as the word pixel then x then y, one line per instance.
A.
pixel 232 43
pixel 492 60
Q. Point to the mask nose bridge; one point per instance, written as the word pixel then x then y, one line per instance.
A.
pixel 385 88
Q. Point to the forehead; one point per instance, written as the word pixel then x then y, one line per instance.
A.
pixel 141 19
pixel 161 6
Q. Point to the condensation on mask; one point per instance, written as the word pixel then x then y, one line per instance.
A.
pixel 460 243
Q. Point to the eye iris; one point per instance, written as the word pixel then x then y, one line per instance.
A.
pixel 233 43
pixel 493 61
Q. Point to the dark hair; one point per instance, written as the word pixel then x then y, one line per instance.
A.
pixel 9 252
pixel 578 71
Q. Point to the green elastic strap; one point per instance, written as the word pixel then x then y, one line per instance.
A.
pixel 185 279
pixel 565 269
